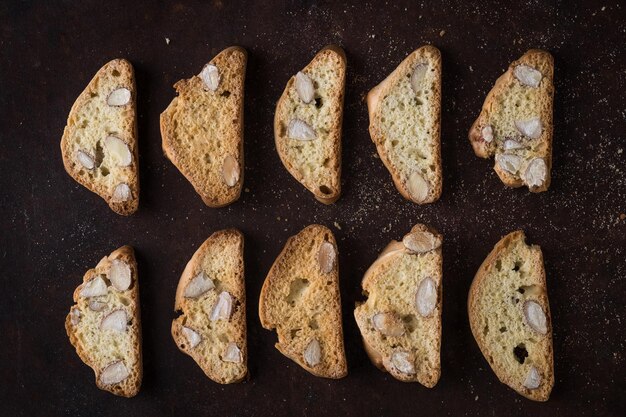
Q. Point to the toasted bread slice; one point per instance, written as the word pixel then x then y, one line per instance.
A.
pixel 99 144
pixel 510 318
pixel 400 321
pixel 202 128
pixel 515 123
pixel 300 299
pixel 105 323
pixel 405 124
pixel 211 297
pixel 307 124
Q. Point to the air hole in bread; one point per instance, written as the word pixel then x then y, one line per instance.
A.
pixel 394 143
pixel 499 265
pixel 517 266
pixel 282 130
pixel 115 73
pixel 293 333
pixel 418 101
pixel 486 330
pixel 325 190
pixel 297 288
pixel 502 329
pixel 326 162
pixel 92 95
pixel 98 154
pixel 225 94
pixel 520 353
pixel 521 290
pixel 104 171
pixel 313 324
pixel 410 322
pixel 318 103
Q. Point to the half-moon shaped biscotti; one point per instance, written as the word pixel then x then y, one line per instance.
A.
pixel 202 128
pixel 105 326
pixel 99 144
pixel 515 123
pixel 405 124
pixel 211 300
pixel 509 315
pixel 307 124
pixel 300 299
pixel 400 321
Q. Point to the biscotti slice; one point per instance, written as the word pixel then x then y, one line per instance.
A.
pixel 515 123
pixel 400 321
pixel 307 124
pixel 300 299
pixel 405 124
pixel 202 128
pixel 211 298
pixel 99 144
pixel 509 315
pixel 105 326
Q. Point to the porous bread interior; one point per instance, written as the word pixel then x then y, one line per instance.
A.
pixel 317 163
pixel 201 127
pixel 92 120
pixel 512 276
pixel 221 259
pixel 99 348
pixel 391 285
pixel 304 304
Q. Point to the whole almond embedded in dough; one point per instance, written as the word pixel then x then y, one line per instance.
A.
pixel 326 257
pixel 304 87
pixel 120 275
pixel 313 353
pixel 119 97
pixel 210 76
pixel 114 373
pixel 418 187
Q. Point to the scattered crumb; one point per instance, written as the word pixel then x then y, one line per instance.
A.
pixel 471 69
pixel 247 190
pixel 337 225
pixel 167 41
pixel 622 216
pixel 476 398
pixel 443 32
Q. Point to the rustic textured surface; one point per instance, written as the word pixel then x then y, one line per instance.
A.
pixel 52 229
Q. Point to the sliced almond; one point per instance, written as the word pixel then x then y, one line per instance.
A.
pixel 193 338
pixel 121 192
pixel 421 241
pixel 326 257
pixel 94 288
pixel 114 373
pixel 530 127
pixel 118 150
pixel 299 130
pixel 223 307
pixel 210 76
pixel 115 320
pixel 535 317
pixel 120 275
pixel 509 163
pixel 536 172
pixel 388 324
pixel 95 305
pixel 487 133
pixel 533 378
pixel 85 159
pixel 402 362
pixel 75 316
pixel 313 353
pixel 119 97
pixel 511 144
pixel 528 75
pixel 418 187
pixel 304 87
pixel 230 171
pixel 232 353
pixel 418 76
pixel 426 297
pixel 200 284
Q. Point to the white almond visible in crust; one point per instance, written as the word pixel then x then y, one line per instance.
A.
pixel 509 163
pixel 85 159
pixel 299 130
pixel 210 76
pixel 530 127
pixel 487 133
pixel 230 171
pixel 326 257
pixel 114 373
pixel 388 324
pixel 528 75
pixel 421 241
pixel 511 144
pixel 313 353
pixel 119 97
pixel 426 297
pixel 121 192
pixel 119 151
pixel 119 275
pixel 193 338
pixel 418 187
pixel 417 77
pixel 200 284
pixel 223 307
pixel 116 320
pixel 535 317
pixel 402 362
pixel 304 87
pixel 75 316
pixel 536 172
pixel 533 378
pixel 94 288
pixel 232 353
pixel 95 305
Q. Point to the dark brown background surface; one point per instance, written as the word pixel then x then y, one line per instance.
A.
pixel 52 229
